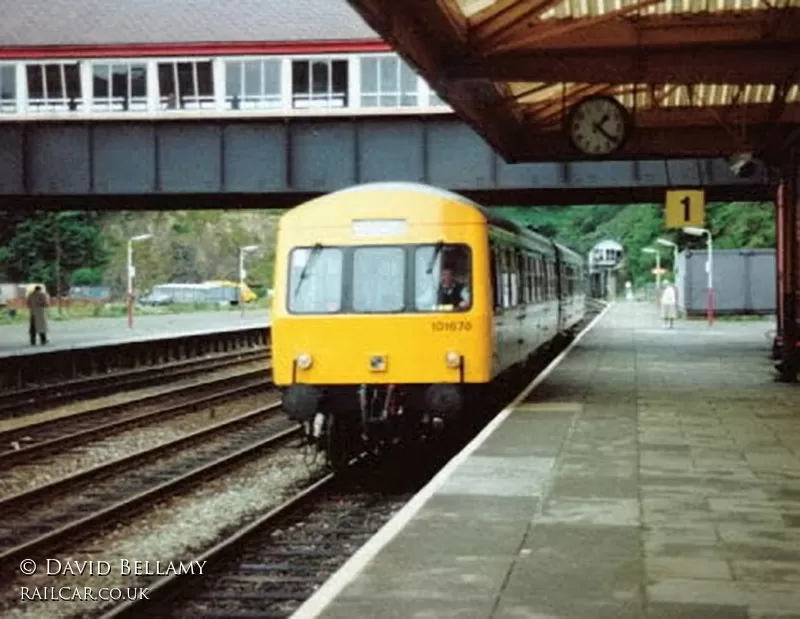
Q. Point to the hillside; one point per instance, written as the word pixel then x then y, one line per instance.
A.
pixel 191 246
pixel 187 246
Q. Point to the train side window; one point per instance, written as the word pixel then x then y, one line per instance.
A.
pixel 506 277
pixel 513 278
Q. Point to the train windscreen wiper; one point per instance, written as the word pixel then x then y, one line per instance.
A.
pixel 436 252
pixel 315 251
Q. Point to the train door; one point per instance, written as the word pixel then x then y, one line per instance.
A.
pixel 498 320
pixel 559 277
pixel 517 303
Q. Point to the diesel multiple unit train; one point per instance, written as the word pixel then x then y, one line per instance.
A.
pixel 396 303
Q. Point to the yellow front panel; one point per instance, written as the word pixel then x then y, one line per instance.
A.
pixel 415 344
pixel 341 348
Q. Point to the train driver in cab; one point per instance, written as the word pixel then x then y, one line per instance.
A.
pixel 452 292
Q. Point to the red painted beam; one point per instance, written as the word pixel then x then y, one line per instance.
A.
pixel 755 64
pixel 646 31
pixel 254 48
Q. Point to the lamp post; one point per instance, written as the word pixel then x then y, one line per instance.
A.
pixel 693 231
pixel 674 255
pixel 653 250
pixel 242 272
pixel 132 273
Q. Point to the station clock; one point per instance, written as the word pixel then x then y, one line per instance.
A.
pixel 598 126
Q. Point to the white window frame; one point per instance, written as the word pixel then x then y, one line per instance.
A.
pixel 109 102
pixel 272 101
pixel 9 106
pixel 50 104
pixel 399 92
pixel 330 98
pixel 194 101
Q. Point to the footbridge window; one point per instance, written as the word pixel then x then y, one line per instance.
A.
pixel 54 87
pixel 8 88
pixel 186 85
pixel 319 83
pixel 119 87
pixel 387 81
pixel 252 84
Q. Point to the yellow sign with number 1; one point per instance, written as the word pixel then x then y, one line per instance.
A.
pixel 685 207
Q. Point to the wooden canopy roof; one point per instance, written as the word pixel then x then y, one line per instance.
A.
pixel 699 77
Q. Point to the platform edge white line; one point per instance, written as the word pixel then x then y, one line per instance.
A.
pixel 320 600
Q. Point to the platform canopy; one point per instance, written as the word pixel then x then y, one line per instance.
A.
pixel 697 77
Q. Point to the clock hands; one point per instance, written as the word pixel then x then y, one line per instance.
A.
pixel 598 127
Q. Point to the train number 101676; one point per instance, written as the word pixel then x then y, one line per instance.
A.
pixel 451 325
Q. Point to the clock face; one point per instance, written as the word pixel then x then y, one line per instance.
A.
pixel 598 125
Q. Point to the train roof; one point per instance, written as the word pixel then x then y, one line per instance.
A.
pixel 492 218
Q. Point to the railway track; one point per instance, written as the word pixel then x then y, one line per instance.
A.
pixel 35 440
pixel 268 568
pixel 271 566
pixel 38 521
pixel 18 402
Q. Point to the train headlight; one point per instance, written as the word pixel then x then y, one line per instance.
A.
pixel 452 359
pixel 304 361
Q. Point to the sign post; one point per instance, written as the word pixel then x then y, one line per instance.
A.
pixel 684 207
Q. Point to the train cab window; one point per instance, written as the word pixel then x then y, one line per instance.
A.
pixel 315 280
pixel 443 278
pixel 379 276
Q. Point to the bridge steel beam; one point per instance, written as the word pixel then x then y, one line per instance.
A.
pixel 290 160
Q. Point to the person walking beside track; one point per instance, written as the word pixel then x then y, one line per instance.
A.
pixel 37 306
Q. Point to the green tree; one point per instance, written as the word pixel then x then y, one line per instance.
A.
pixel 47 246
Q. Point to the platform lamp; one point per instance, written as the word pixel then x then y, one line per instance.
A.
pixel 653 250
pixel 693 231
pixel 242 273
pixel 674 247
pixel 132 273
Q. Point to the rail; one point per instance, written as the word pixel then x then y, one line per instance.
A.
pixel 55 435
pixel 116 490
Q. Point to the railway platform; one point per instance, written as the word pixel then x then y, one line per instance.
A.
pixel 85 333
pixel 651 473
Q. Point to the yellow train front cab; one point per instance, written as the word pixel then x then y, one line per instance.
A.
pixel 382 286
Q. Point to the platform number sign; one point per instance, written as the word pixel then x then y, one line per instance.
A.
pixel 685 207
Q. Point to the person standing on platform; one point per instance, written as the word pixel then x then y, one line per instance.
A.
pixel 669 304
pixel 37 305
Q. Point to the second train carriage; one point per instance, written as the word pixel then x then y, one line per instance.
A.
pixel 395 302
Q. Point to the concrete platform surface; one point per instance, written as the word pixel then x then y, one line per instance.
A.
pixel 89 332
pixel 654 473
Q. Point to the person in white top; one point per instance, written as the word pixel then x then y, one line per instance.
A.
pixel 669 304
